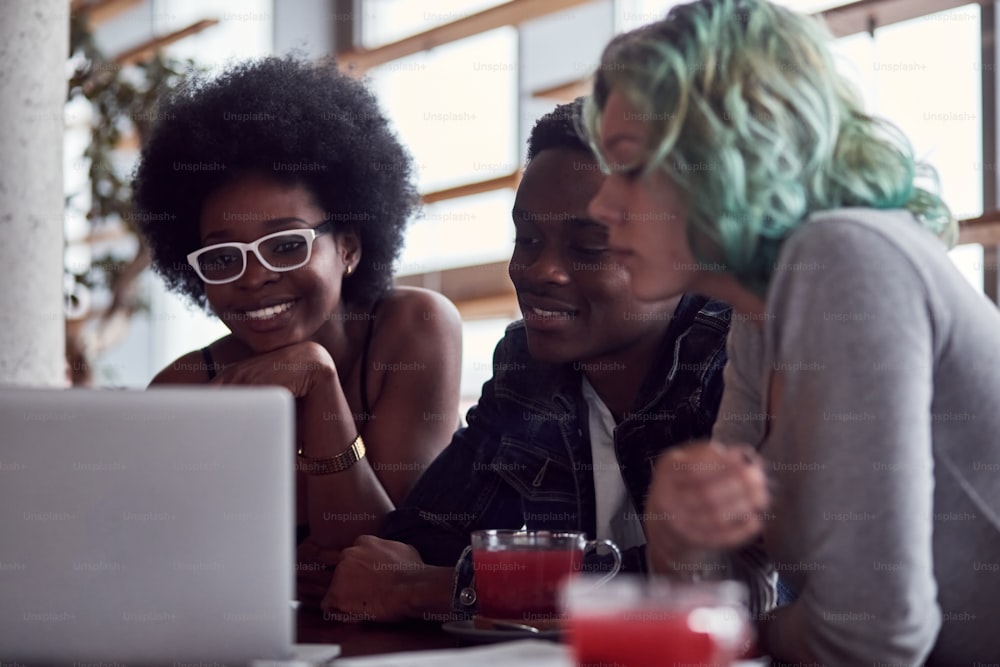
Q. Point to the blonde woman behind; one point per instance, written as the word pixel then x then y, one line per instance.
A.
pixel 743 168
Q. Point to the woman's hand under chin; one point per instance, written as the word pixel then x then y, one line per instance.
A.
pixel 299 368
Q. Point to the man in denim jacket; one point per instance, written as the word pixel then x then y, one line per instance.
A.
pixel 586 356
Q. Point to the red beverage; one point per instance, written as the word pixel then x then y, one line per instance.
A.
pixel 642 639
pixel 522 584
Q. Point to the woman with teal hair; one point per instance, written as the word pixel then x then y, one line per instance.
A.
pixel 865 368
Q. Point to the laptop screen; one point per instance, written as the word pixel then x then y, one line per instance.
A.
pixel 146 527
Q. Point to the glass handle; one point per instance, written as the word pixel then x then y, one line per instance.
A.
pixel 593 544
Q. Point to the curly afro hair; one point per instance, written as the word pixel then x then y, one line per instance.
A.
pixel 301 123
pixel 558 129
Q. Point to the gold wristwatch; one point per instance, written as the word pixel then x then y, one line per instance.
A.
pixel 342 461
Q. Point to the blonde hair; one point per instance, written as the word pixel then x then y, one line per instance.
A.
pixel 750 118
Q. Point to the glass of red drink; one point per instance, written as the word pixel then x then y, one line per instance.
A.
pixel 634 622
pixel 519 573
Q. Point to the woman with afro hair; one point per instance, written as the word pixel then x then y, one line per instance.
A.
pixel 276 195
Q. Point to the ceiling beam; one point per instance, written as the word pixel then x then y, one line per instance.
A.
pixel 565 92
pixel 148 48
pixel 490 307
pixel 514 12
pixel 465 283
pixel 867 15
pixel 467 189
pixel 985 229
pixel 850 19
pixel 99 11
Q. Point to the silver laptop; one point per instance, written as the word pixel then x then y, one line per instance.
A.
pixel 146 527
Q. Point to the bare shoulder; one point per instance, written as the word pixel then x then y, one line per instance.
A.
pixel 413 309
pixel 416 325
pixel 191 368
pixel 188 369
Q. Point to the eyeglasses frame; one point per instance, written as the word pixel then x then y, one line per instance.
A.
pixel 310 234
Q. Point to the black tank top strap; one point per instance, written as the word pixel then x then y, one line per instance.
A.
pixel 365 407
pixel 206 354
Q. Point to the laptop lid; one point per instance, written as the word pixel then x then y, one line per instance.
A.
pixel 146 527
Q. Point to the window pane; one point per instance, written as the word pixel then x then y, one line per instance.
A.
pixel 454 108
pixel 385 21
pixel 460 232
pixel 935 97
pixel 969 260
pixel 546 59
pixel 479 339
pixel 244 29
pixel 855 57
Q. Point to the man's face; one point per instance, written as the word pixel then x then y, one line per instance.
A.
pixel 576 300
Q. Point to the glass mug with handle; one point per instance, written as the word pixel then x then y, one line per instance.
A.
pixel 519 573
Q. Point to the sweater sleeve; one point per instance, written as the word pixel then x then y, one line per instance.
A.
pixel 741 413
pixel 852 351
pixel 740 420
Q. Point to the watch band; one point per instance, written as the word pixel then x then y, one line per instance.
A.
pixel 342 461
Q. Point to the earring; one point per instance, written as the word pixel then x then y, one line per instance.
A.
pixel 349 270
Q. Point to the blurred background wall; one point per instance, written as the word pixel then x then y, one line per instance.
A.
pixel 465 106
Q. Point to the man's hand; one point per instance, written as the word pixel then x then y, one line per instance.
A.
pixel 313 569
pixel 380 580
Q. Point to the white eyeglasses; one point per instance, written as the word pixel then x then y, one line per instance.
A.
pixel 281 251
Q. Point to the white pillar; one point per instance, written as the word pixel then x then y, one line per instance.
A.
pixel 34 45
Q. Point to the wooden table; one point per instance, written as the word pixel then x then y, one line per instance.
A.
pixel 313 626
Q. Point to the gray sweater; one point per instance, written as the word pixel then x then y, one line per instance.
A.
pixel 884 445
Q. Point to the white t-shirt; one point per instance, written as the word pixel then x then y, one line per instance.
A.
pixel 617 519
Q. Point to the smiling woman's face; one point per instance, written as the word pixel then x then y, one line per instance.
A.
pixel 268 309
pixel 645 214
pixel 574 296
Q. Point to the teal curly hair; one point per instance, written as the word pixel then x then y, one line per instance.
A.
pixel 749 117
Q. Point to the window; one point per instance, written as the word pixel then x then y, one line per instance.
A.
pixel 244 29
pixel 455 108
pixel 935 97
pixel 384 21
pixel 460 232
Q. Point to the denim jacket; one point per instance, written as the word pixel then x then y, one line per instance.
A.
pixel 525 458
